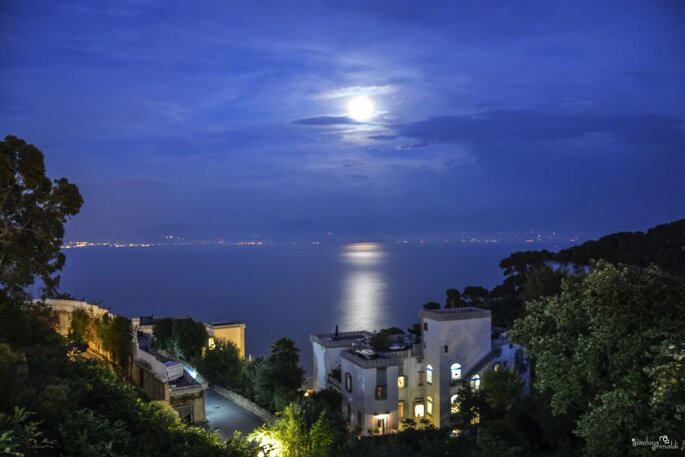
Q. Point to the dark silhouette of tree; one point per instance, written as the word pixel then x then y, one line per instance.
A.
pixel 453 299
pixel 33 211
pixel 475 295
pixel 431 305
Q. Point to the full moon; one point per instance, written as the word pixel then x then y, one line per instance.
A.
pixel 360 109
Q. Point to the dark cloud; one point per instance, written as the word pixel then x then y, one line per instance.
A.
pixel 538 126
pixel 326 120
pixel 382 137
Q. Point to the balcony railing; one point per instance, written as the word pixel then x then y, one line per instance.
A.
pixel 334 382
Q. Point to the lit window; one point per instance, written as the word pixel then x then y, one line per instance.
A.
pixel 400 408
pixel 429 374
pixel 418 409
pixel 456 405
pixel 211 344
pixel 475 382
pixel 429 406
pixel 455 369
pixel 400 382
pixel 381 392
pixel 348 382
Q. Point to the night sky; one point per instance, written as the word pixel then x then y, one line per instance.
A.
pixel 232 118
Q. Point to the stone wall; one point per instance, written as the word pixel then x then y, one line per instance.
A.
pixel 243 402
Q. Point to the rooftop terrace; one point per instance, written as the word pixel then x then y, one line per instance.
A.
pixel 340 339
pixel 454 314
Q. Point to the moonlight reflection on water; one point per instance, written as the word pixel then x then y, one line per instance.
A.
pixel 363 304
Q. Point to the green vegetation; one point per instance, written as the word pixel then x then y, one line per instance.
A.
pixel 382 339
pixel 51 404
pixel 607 339
pixel 182 338
pixel 33 212
pixel 276 381
pixel 222 365
pixel 609 350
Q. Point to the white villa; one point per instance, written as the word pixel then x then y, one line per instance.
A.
pixel 417 377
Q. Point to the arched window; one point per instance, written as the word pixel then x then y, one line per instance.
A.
pixel 475 382
pixel 455 369
pixel 456 404
pixel 429 374
pixel 429 406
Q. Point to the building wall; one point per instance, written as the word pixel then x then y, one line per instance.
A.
pixel 325 360
pixel 149 382
pixel 468 341
pixel 229 332
pixel 362 399
pixel 412 390
pixel 64 308
pixel 192 402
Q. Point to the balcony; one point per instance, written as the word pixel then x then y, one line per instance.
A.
pixel 334 382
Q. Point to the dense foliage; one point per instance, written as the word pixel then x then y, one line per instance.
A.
pixel 182 338
pixel 276 381
pixel 109 335
pixel 50 403
pixel 222 365
pixel 382 339
pixel 610 351
pixel 82 408
pixel 33 211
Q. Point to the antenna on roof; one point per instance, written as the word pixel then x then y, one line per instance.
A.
pixel 337 334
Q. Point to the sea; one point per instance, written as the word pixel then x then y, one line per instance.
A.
pixel 278 290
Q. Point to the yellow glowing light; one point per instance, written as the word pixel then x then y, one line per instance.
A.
pixel 361 109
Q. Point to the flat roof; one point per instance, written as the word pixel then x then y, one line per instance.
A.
pixel 225 323
pixel 380 361
pixel 453 314
pixel 339 339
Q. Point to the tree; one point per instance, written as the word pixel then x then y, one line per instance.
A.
pixel 453 299
pixel 184 338
pixel 431 305
pixel 475 295
pixel 80 322
pixel 33 211
pixel 609 350
pixel 222 366
pixel 275 382
pixel 292 436
pixel 382 339
pixel 283 364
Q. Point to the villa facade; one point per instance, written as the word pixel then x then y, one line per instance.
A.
pixel 419 376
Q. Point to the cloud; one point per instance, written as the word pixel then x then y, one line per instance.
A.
pixel 170 110
pixel 326 120
pixel 537 126
pixel 352 91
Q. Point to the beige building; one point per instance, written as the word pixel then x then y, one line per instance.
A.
pixel 158 377
pixel 63 310
pixel 228 331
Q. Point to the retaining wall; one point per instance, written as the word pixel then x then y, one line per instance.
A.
pixel 243 402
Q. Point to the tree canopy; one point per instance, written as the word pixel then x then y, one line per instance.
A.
pixel 33 211
pixel 610 351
